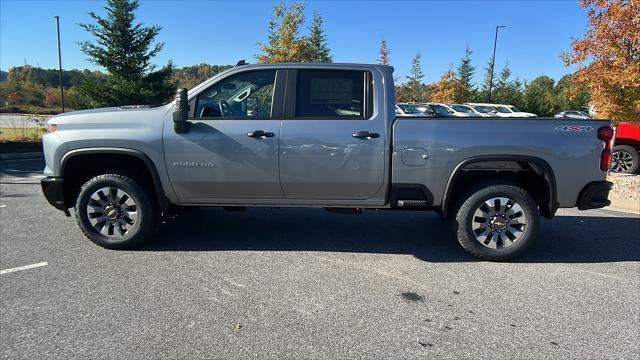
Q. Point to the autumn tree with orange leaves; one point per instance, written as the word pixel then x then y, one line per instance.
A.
pixel 447 89
pixel 608 58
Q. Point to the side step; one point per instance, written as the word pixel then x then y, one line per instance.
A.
pixel 413 203
pixel 410 197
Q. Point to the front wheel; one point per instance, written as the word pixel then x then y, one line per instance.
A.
pixel 625 159
pixel 114 212
pixel 497 222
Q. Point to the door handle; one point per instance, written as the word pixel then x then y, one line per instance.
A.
pixel 260 134
pixel 365 135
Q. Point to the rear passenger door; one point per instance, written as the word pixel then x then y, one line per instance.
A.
pixel 332 138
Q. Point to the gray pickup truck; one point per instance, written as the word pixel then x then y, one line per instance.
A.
pixel 325 136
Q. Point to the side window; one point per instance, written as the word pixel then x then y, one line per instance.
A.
pixel 331 94
pixel 245 95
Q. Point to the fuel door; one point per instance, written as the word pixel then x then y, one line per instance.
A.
pixel 414 156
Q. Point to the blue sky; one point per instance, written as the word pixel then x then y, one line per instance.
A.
pixel 221 32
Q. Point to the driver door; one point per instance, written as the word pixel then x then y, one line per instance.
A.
pixel 231 148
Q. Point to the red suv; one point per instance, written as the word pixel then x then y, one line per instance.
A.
pixel 625 157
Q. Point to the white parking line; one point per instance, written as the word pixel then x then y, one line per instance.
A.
pixel 20 268
pixel 3 206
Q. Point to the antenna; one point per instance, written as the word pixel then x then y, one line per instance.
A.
pixel 241 62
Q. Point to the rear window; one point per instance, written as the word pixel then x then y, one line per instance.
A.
pixel 331 94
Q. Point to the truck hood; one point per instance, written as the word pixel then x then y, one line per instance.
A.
pixel 118 110
pixel 103 116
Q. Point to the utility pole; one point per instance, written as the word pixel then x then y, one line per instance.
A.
pixel 493 59
pixel 60 63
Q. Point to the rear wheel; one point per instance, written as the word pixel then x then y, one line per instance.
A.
pixel 496 222
pixel 625 159
pixel 114 212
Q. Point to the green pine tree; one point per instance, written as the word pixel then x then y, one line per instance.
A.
pixel 124 50
pixel 414 88
pixel 483 92
pixel 318 50
pixel 502 86
pixel 465 76
pixel 539 98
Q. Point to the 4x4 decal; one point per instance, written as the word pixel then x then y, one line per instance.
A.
pixel 574 128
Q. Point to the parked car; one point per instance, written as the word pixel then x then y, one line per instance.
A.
pixel 625 156
pixel 501 110
pixel 324 136
pixel 444 109
pixel 512 111
pixel 468 109
pixel 487 110
pixel 572 114
pixel 407 109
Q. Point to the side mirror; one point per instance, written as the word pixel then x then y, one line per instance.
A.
pixel 180 123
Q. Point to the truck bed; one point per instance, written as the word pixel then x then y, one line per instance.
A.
pixel 570 147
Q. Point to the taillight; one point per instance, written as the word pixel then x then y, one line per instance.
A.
pixel 605 134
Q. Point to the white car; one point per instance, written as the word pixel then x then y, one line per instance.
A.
pixel 468 109
pixel 444 109
pixel 503 110
pixel 572 114
pixel 412 110
pixel 485 109
pixel 514 111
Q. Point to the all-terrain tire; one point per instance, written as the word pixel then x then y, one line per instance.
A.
pixel 520 208
pixel 134 210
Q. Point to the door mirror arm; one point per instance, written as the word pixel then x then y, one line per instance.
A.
pixel 180 123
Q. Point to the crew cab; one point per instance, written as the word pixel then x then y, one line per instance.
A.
pixel 323 136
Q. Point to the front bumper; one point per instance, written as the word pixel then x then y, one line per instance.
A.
pixel 594 195
pixel 53 189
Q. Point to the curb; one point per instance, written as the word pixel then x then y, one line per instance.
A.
pixel 27 155
pixel 627 205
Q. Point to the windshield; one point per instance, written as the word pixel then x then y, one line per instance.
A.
pixel 462 108
pixel 503 109
pixel 439 109
pixel 409 109
pixel 484 109
pixel 514 109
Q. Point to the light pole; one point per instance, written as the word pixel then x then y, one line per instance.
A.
pixel 60 63
pixel 493 59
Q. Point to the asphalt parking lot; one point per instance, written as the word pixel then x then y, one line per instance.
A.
pixel 305 283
